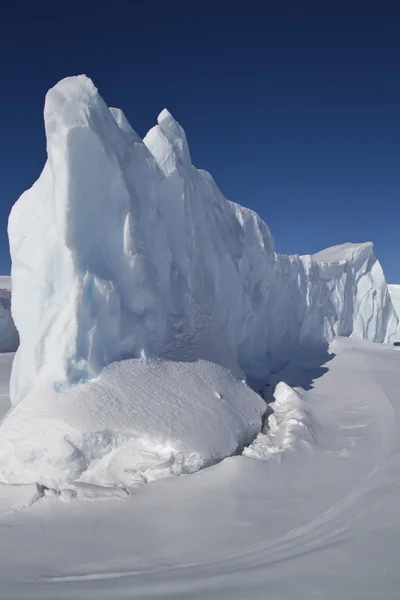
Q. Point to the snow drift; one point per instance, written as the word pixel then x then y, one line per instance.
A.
pixel 143 282
pixel 8 333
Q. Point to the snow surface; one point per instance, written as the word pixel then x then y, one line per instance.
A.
pixel 318 517
pixel 136 422
pixel 152 299
pixel 9 339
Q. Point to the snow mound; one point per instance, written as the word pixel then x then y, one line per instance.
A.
pixel 140 275
pixel 9 339
pixel 138 421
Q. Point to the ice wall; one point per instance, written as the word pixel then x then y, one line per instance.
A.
pixel 125 249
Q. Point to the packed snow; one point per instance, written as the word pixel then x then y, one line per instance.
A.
pixel 315 515
pixel 136 422
pixel 156 306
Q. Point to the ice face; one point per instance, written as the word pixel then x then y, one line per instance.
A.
pixel 126 251
pixel 394 291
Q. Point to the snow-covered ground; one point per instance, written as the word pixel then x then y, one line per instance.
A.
pixel 318 516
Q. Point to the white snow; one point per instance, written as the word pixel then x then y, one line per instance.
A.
pixel 318 519
pixel 287 427
pixel 138 421
pixel 151 299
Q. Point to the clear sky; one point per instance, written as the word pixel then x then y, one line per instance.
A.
pixel 295 112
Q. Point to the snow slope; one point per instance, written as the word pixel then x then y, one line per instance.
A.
pixel 319 518
pixel 8 334
pixel 140 275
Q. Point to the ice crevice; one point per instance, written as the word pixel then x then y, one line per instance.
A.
pixel 152 298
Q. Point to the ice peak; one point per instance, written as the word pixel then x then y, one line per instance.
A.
pixel 124 124
pixel 73 87
pixel 167 142
pixel 72 91
pixel 165 118
pixel 72 103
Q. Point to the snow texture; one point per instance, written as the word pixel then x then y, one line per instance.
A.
pixel 318 518
pixel 152 300
pixel 8 334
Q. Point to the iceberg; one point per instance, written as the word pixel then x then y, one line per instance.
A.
pixel 156 306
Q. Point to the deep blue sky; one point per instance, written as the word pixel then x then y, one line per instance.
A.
pixel 294 112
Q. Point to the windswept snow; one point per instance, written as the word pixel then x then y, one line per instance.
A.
pixel 135 423
pixel 289 425
pixel 317 519
pixel 152 299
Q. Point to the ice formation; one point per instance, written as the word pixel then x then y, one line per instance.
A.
pixel 8 333
pixel 151 299
pixel 394 291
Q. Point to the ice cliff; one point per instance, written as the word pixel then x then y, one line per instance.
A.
pixel 136 265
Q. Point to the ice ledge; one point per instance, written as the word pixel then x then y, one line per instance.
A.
pixel 343 252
